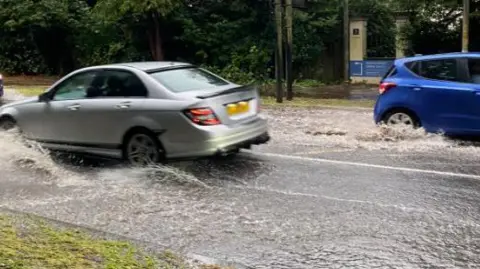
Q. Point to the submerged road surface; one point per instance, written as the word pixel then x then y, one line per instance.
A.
pixel 278 212
pixel 314 198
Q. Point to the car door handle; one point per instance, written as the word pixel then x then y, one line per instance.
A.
pixel 414 87
pixel 74 107
pixel 123 106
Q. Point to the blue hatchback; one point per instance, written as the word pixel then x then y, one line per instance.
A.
pixel 440 93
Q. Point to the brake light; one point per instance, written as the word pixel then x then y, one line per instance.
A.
pixel 385 86
pixel 202 116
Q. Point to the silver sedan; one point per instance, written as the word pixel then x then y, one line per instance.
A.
pixel 144 112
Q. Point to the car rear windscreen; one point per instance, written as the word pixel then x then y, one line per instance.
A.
pixel 187 79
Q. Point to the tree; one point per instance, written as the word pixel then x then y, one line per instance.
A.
pixel 150 12
pixel 37 35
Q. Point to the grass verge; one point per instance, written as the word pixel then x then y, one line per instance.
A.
pixel 28 90
pixel 314 102
pixel 29 242
pixel 28 80
pixel 266 100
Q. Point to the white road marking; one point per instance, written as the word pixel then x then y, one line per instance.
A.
pixel 369 165
pixel 322 152
pixel 301 194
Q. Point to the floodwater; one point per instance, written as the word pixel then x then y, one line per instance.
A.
pixel 273 212
pixel 351 130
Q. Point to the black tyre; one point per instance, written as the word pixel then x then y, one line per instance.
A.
pixel 7 123
pixel 142 148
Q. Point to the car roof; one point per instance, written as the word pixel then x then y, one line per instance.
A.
pixel 148 66
pixel 437 56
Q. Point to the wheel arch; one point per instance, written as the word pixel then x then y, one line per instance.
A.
pixel 7 116
pixel 395 109
pixel 141 129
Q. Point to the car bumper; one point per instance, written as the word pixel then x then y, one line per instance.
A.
pixel 222 140
pixel 378 111
pixel 247 144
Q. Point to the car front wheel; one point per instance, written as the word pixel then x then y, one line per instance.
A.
pixel 142 149
pixel 7 124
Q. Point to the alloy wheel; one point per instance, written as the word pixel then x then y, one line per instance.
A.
pixel 143 150
pixel 400 118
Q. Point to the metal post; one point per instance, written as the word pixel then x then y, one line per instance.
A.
pixel 288 49
pixel 465 28
pixel 279 51
pixel 346 41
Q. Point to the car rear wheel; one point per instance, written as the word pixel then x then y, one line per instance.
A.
pixel 401 118
pixel 142 149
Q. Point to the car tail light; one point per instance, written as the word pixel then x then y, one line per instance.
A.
pixel 202 116
pixel 385 86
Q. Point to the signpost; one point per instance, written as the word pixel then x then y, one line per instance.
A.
pixel 369 68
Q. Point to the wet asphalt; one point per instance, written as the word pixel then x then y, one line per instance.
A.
pixel 291 204
pixel 280 212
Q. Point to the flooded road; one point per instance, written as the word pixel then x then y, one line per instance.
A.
pixel 330 191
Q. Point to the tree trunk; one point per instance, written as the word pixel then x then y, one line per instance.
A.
pixel 154 39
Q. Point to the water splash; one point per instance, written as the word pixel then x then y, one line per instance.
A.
pixel 163 174
pixel 351 129
pixel 19 153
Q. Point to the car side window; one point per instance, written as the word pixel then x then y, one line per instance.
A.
pixel 414 67
pixel 474 70
pixel 74 87
pixel 119 83
pixel 442 69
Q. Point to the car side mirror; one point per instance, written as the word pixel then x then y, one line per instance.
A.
pixel 44 97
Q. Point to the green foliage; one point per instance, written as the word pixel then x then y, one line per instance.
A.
pixel 435 25
pixel 245 68
pixel 235 38
pixel 115 9
pixel 380 26
pixel 37 36
pixel 315 29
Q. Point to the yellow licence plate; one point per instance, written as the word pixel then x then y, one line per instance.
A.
pixel 238 108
